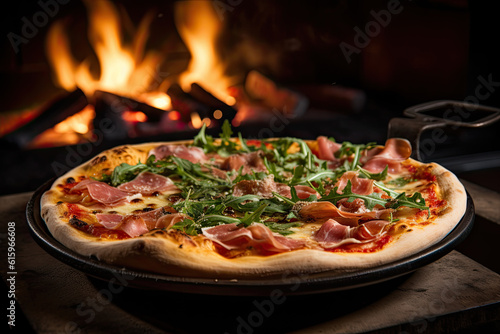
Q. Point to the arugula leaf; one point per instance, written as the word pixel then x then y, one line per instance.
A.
pixel 397 199
pixel 349 149
pixel 193 226
pixel 124 172
pixel 282 228
pixel 400 182
pixel 415 201
pixel 187 226
pixel 374 176
pixel 370 200
pixel 204 141
pixel 250 218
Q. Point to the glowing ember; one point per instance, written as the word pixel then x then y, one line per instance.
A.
pixel 196 121
pixel 157 99
pixel 71 131
pixel 174 115
pixel 134 116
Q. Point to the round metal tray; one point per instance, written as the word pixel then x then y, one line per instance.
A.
pixel 289 283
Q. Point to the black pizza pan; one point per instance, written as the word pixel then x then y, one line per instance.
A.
pixel 291 283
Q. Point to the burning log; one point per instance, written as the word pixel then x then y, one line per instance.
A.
pixel 112 109
pixel 226 111
pixel 263 90
pixel 119 104
pixel 53 113
pixel 200 103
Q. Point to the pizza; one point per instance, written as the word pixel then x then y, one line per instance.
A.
pixel 230 207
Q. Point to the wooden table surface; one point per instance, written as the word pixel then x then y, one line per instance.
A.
pixel 455 293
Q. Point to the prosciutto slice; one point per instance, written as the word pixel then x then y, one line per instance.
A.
pixel 146 183
pixel 333 234
pixel 267 186
pixel 395 151
pixel 318 211
pixel 249 161
pixel 108 220
pixel 327 148
pixel 259 236
pixel 263 188
pixel 191 153
pixel 108 195
pixel 358 185
pixel 168 221
pixel 134 226
pixel 140 223
pixel 304 192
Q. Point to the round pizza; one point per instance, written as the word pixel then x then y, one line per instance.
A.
pixel 231 207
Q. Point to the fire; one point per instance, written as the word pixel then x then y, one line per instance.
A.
pixel 134 116
pixel 128 69
pixel 199 26
pixel 125 69
pixel 71 131
pixel 79 122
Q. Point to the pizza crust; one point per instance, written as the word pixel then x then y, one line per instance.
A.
pixel 163 254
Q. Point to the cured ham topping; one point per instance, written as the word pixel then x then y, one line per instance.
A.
pixel 134 226
pixel 251 162
pixel 395 151
pixel 357 206
pixel 138 224
pixel 257 235
pixel 109 220
pixel 318 211
pixel 147 183
pixel 333 234
pixel 267 186
pixel 358 185
pixel 191 153
pixel 106 194
pixel 327 149
pixel 263 188
pixel 304 192
pixel 168 221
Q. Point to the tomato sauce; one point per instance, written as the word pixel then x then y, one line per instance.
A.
pixel 258 143
pixel 78 219
pixel 363 248
pixel 421 173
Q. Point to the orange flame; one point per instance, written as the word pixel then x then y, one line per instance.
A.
pixel 125 69
pixel 68 132
pixel 199 26
pixel 134 116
